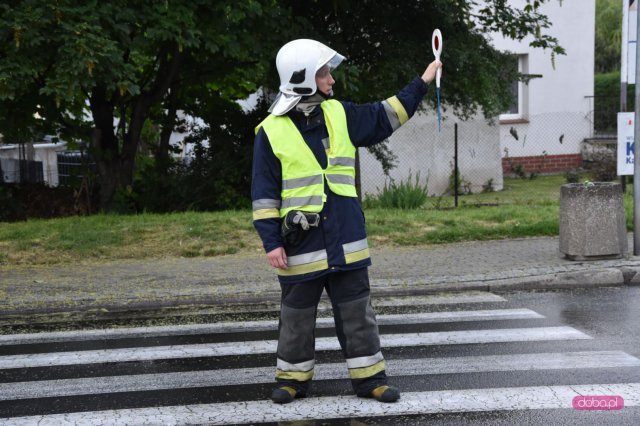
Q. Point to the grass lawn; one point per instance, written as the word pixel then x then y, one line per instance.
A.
pixel 525 208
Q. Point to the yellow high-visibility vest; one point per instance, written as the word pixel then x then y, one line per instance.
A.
pixel 302 175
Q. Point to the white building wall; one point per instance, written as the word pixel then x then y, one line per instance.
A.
pixel 556 114
pixel 421 149
pixel 556 104
pixel 43 152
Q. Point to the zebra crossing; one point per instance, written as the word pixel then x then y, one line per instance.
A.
pixel 450 353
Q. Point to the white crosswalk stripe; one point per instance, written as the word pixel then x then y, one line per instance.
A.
pixel 474 328
pixel 401 367
pixel 442 299
pixel 465 400
pixel 269 346
pixel 240 326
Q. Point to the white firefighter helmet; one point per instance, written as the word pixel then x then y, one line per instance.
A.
pixel 297 63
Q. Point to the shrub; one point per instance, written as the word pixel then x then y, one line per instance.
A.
pixel 607 100
pixel 604 167
pixel 216 177
pixel 488 186
pixel 403 195
pixel 10 208
pixel 464 186
pixel 572 176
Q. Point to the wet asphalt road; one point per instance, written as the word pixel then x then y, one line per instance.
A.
pixel 607 318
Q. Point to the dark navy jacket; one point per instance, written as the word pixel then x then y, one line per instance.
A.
pixel 342 219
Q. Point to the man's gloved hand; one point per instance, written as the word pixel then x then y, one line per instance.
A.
pixel 305 220
pixel 295 223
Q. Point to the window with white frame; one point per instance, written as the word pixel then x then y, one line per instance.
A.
pixel 518 109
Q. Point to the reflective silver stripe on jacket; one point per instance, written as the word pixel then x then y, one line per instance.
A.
pixel 344 179
pixel 302 201
pixel 265 203
pixel 300 182
pixel 302 366
pixel 364 361
pixel 325 143
pixel 391 115
pixel 342 161
pixel 302 259
pixel 355 246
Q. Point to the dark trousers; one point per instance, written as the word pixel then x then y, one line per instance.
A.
pixel 356 329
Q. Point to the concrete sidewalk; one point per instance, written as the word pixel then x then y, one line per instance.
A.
pixel 86 289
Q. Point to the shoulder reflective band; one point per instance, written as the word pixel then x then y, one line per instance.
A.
pixel 391 116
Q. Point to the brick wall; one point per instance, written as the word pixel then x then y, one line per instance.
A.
pixel 542 163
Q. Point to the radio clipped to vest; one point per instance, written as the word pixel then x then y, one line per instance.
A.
pixel 296 223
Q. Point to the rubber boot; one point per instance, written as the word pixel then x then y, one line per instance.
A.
pixel 283 395
pixel 386 393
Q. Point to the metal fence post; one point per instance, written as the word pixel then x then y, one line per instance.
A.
pixel 455 164
pixel 636 153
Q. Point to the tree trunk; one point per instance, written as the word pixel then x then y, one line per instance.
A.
pixel 112 172
pixel 116 159
pixel 162 152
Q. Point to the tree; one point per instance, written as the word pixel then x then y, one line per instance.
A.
pixel 608 35
pixel 388 42
pixel 119 61
pixel 83 66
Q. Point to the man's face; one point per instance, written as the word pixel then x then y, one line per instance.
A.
pixel 324 80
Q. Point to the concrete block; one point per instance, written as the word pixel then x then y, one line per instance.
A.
pixel 592 221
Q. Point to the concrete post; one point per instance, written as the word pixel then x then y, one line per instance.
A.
pixel 592 221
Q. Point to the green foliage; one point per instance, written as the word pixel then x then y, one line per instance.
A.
pixel 604 167
pixel 404 195
pixel 607 100
pixel 572 176
pixel 488 186
pixel 35 200
pixel 10 208
pixel 141 62
pixel 608 35
pixel 464 186
pixel 381 41
pixel 216 178
pixel 126 60
pixel 607 84
pixel 518 171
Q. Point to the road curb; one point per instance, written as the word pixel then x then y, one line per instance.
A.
pixel 589 278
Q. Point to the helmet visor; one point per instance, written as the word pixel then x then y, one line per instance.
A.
pixel 335 61
pixel 331 65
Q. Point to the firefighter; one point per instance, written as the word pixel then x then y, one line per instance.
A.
pixel 307 213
